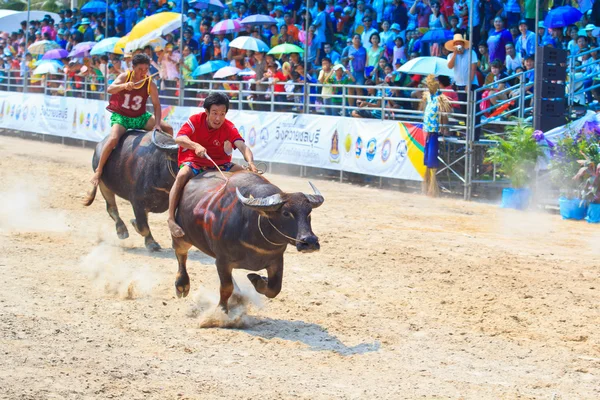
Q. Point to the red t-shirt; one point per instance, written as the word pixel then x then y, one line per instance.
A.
pixel 196 128
pixel 280 86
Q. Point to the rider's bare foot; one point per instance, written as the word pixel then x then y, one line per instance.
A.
pixel 175 229
pixel 96 178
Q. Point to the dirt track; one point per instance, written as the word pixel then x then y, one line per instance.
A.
pixel 408 298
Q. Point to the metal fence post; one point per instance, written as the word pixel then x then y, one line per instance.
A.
pixel 181 91
pixel 383 104
pixel 522 96
pixel 343 103
pixel 240 97
pixel 65 86
pixel 272 97
pixel 571 76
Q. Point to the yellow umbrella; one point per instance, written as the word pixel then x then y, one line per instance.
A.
pixel 120 45
pixel 153 27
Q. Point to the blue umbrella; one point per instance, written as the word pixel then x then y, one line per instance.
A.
pixel 562 16
pixel 258 19
pixel 209 67
pixel 249 43
pixel 437 36
pixel 94 7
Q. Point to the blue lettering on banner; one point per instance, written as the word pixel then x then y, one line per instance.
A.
pixel 55 113
pixel 290 134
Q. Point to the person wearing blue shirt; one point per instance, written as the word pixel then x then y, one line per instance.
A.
pixel 130 14
pixel 525 43
pixel 497 40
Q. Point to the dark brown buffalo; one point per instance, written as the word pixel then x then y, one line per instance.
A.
pixel 141 169
pixel 245 222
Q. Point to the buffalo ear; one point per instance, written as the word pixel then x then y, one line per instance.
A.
pixel 316 199
pixel 270 203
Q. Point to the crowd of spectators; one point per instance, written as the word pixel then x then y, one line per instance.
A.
pixel 350 42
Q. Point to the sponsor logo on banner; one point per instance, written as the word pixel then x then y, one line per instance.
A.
pixel 242 132
pixel 252 137
pixel 264 136
pixel 2 111
pixel 371 149
pixel 95 122
pixel 18 112
pixel 334 153
pixel 386 150
pixel 401 151
pixel 25 113
pixel 348 143
pixel 54 114
pixel 358 147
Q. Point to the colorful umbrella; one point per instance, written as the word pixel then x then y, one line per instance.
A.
pixel 249 43
pixel 94 7
pixel 120 45
pixel 258 19
pixel 46 68
pixel 105 46
pixel 247 72
pixel 210 5
pixel 225 72
pixel 153 27
pixel 426 66
pixel 58 63
pixel 42 47
pixel 226 26
pixel 154 43
pixel 286 48
pixel 209 67
pixel 562 16
pixel 82 49
pixel 437 36
pixel 55 54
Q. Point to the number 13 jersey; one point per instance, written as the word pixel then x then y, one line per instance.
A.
pixel 130 103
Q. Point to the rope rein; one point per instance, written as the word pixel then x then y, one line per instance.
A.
pixel 278 231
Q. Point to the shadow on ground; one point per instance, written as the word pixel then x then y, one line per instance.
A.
pixel 312 335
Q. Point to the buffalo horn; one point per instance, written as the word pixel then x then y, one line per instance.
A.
pixel 163 146
pixel 270 203
pixel 315 199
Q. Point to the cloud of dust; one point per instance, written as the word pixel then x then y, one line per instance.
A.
pixel 110 273
pixel 20 210
pixel 527 225
pixel 205 307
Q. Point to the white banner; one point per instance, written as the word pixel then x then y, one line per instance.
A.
pixel 380 148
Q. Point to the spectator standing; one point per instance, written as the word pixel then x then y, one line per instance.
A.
pixel 86 30
pixel 491 9
pixel 367 32
pixel 400 15
pixel 374 54
pixel 512 10
pixel 525 43
pixel 189 41
pixel 320 24
pixel 386 35
pixel 326 91
pixel 458 61
pixel 341 77
pixel 333 55
pixel 194 22
pixel 189 65
pixel 497 40
pixel 130 14
pixel 358 61
pixel 206 49
pixel 484 60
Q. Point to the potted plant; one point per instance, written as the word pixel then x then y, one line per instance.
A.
pixel 563 167
pixel 516 155
pixel 589 178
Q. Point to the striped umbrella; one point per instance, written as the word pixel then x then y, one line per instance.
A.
pixel 210 5
pixel 42 47
pixel 105 46
pixel 55 54
pixel 258 19
pixel 249 43
pixel 153 27
pixel 226 26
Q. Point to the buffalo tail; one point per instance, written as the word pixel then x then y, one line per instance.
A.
pixel 89 199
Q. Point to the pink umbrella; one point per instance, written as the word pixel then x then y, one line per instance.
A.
pixel 227 26
pixel 55 54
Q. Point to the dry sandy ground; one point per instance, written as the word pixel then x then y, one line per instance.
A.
pixel 408 298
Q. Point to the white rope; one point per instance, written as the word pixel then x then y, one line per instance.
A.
pixel 264 237
pixel 278 231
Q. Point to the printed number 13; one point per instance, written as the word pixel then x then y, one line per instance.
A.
pixel 137 102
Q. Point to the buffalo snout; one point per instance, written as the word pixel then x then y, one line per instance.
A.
pixel 308 244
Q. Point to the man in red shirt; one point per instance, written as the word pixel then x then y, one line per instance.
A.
pixel 204 137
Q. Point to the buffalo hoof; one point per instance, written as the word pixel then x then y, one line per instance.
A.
pixel 122 231
pixel 255 279
pixel 182 286
pixel 151 245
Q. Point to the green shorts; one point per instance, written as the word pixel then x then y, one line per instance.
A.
pixel 130 123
